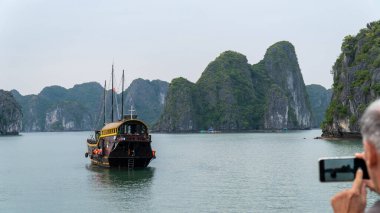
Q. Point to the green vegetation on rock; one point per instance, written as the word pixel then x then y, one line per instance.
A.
pixel 232 95
pixel 361 77
pixel 356 82
pixel 10 114
pixel 319 99
pixel 81 107
pixel 147 97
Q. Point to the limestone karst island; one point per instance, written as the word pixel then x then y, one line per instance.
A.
pixel 231 95
pixel 10 114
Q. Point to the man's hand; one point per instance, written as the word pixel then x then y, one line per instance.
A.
pixel 369 183
pixel 351 200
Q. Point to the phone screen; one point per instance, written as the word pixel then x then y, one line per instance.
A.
pixel 341 169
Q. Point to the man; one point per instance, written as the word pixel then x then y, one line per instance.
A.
pixel 354 199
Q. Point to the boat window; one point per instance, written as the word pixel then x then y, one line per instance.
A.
pixel 139 129
pixel 143 129
pixel 124 129
pixel 132 129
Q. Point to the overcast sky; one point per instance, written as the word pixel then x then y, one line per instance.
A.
pixel 45 42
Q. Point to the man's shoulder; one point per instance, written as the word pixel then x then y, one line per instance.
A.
pixel 374 208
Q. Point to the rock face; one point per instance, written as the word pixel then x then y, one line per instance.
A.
pixel 81 107
pixel 319 98
pixel 277 113
pixel 281 64
pixel 179 111
pixel 232 95
pixel 10 114
pixel 356 82
pixel 58 109
pixel 226 94
pixel 147 97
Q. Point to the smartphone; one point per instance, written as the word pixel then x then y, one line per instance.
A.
pixel 338 169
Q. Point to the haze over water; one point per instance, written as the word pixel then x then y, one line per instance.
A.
pixel 252 172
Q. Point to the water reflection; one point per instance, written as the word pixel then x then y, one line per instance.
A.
pixel 122 177
pixel 121 189
pixel 345 147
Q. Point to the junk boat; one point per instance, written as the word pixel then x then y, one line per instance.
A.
pixel 124 143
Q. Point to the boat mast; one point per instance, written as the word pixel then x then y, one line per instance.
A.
pixel 131 110
pixel 112 96
pixel 104 102
pixel 122 97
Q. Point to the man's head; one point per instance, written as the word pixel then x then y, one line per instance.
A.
pixel 370 124
pixel 370 129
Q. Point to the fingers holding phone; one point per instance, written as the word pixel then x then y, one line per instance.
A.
pixel 351 200
pixel 369 183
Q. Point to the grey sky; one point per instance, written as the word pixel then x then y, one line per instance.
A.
pixel 45 43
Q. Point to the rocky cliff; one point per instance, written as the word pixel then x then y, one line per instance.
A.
pixel 81 107
pixel 356 82
pixel 10 114
pixel 58 109
pixel 147 97
pixel 179 112
pixel 232 95
pixel 281 64
pixel 319 98
pixel 226 95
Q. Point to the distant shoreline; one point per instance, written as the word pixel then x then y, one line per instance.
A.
pixel 190 132
pixel 10 134
pixel 347 136
pixel 341 135
pixel 230 131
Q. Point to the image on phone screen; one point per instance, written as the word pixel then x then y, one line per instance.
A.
pixel 341 169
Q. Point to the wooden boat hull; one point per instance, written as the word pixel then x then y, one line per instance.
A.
pixel 126 162
pixel 123 162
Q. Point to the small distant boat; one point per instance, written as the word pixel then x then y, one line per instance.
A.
pixel 124 143
pixel 210 131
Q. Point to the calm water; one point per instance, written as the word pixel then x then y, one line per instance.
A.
pixel 256 172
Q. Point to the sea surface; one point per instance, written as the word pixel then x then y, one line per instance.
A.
pixel 252 172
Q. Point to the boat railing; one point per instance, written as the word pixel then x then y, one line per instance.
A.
pixel 143 138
